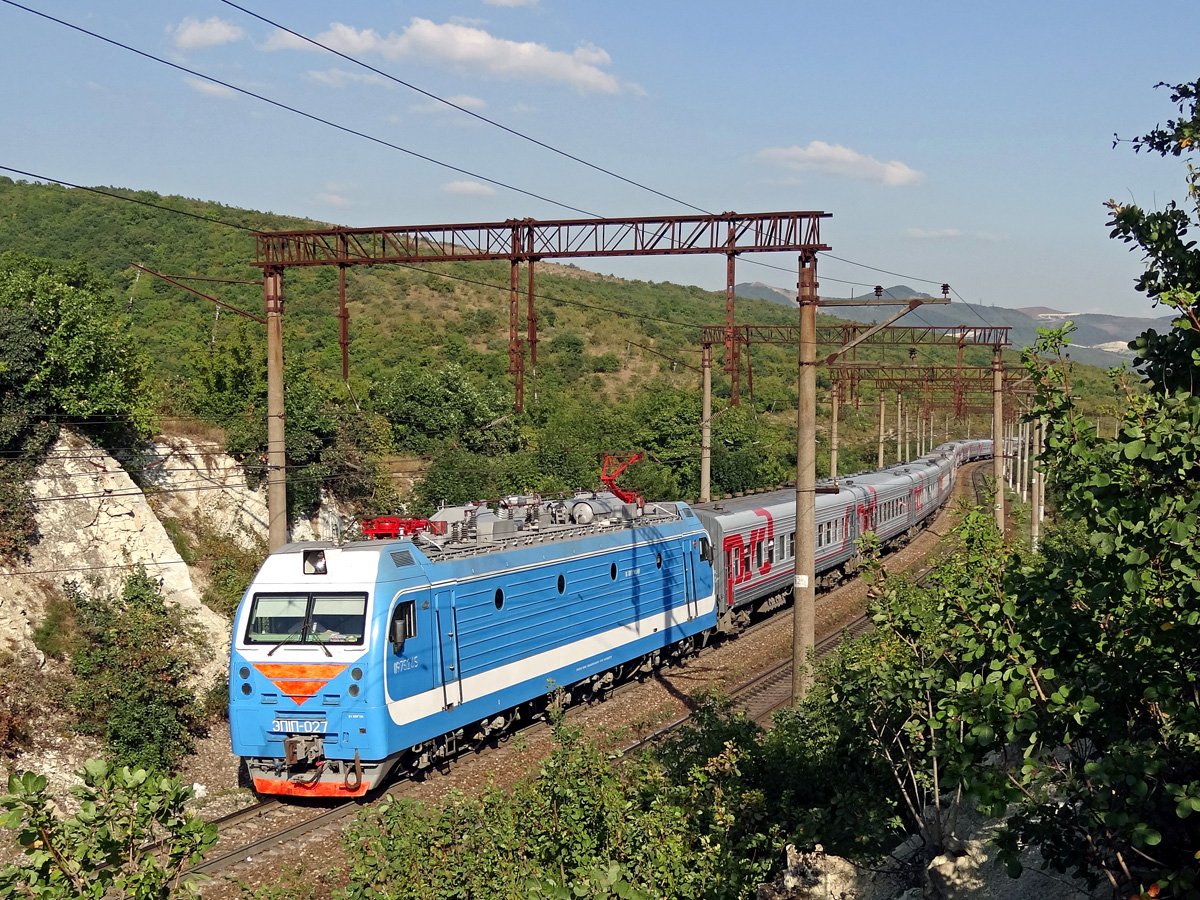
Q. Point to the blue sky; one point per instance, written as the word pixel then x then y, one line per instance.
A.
pixel 961 142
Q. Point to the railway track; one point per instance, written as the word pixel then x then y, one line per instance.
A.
pixel 272 826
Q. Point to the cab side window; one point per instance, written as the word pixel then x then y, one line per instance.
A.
pixel 403 624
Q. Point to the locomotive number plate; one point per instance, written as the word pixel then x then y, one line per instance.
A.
pixel 304 726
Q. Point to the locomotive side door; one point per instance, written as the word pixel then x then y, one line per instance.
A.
pixel 689 578
pixel 446 619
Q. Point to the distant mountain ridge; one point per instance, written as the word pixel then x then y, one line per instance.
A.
pixel 1098 340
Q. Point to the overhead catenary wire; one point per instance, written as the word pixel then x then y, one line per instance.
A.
pixel 355 132
pixel 525 137
pixel 369 137
pixel 195 73
pixel 95 190
pixel 128 565
pixel 475 115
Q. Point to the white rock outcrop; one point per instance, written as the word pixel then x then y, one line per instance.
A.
pixel 196 480
pixel 95 525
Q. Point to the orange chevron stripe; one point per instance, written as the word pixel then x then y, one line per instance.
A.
pixel 300 681
pixel 294 688
pixel 300 670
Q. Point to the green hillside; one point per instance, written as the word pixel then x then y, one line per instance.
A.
pixel 429 360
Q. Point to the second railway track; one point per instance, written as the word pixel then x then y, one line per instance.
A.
pixel 259 833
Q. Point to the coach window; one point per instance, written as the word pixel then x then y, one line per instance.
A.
pixel 758 554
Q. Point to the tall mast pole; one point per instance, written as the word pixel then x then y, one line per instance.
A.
pixel 804 611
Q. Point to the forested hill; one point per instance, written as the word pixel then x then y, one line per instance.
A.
pixel 396 313
pixel 617 360
pixel 617 363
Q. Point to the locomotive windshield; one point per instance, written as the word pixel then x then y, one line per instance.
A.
pixel 304 618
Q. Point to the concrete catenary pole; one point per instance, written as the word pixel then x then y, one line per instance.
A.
pixel 706 427
pixel 1041 450
pixel 907 433
pixel 277 530
pixel 1035 520
pixel 882 417
pixel 899 427
pixel 998 436
pixel 1023 475
pixel 833 431
pixel 804 611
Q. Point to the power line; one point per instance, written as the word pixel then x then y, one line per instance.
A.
pixel 128 565
pixel 450 103
pixel 297 111
pixel 348 130
pixel 92 190
pixel 525 137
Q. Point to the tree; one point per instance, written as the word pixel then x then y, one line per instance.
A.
pixel 64 353
pixel 106 849
pixel 426 406
pixel 1110 719
pixel 85 367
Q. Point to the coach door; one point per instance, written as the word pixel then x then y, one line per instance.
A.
pixel 446 617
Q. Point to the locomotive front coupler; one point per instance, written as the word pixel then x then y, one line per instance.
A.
pixel 303 749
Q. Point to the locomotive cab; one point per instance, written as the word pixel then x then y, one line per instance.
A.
pixel 306 703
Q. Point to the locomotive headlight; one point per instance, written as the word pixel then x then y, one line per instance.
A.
pixel 246 688
pixel 243 672
pixel 314 562
pixel 356 673
pixel 353 690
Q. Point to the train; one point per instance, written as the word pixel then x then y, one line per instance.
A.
pixel 350 660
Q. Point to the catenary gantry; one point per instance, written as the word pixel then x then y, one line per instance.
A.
pixel 517 241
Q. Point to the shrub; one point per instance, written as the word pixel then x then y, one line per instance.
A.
pixel 582 827
pixel 57 634
pixel 135 659
pixel 103 850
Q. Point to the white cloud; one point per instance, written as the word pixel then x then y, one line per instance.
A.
pixel 285 40
pixel 207 87
pixel 468 188
pixel 934 234
pixel 329 198
pixel 192 34
pixel 834 159
pixel 339 78
pixel 473 49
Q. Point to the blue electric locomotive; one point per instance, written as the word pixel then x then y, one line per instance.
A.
pixel 348 659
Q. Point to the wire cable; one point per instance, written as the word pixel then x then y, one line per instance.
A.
pixel 93 190
pixel 364 135
pixel 450 103
pixel 297 111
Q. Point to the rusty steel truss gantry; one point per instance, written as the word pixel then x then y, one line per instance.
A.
pixel 517 241
pixel 529 240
